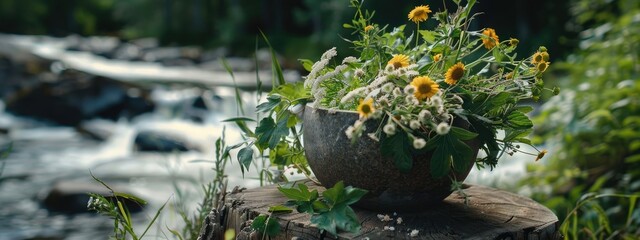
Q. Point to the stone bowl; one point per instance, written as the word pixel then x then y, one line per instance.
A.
pixel 333 158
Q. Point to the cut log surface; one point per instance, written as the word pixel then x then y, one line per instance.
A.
pixel 489 214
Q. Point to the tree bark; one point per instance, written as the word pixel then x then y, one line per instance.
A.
pixel 489 214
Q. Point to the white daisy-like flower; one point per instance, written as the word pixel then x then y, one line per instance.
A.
pixel 397 92
pixel 414 124
pixel 443 128
pixel 389 129
pixel 359 72
pixel 436 101
pixel 389 68
pixel 425 115
pixel 411 99
pixel 419 143
pixel 445 117
pixel 409 89
pixel 387 87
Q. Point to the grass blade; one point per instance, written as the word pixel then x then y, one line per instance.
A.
pixel 240 109
pixel 154 218
pixel 278 77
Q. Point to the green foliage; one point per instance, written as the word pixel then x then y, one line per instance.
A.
pixel 593 128
pixel 266 225
pixel 397 146
pixel 331 212
pixel 115 208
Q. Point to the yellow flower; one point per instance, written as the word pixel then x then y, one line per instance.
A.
pixel 368 28
pixel 437 57
pixel 540 57
pixel 454 74
pixel 542 66
pixel 491 40
pixel 399 61
pixel 508 75
pixel 419 13
pixel 425 87
pixel 366 108
pixel 541 154
pixel 513 42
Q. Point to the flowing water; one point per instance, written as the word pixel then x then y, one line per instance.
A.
pixel 43 154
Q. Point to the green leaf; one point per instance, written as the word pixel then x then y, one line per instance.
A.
pixel 235 119
pixel 335 194
pixel 428 36
pixel 270 134
pixel 266 225
pixel 278 78
pixel 461 154
pixel 525 109
pixel 240 122
pixel 272 101
pixel 294 92
pixel 398 147
pixel 519 120
pixel 280 209
pixel 307 64
pixel 245 156
pixel 341 216
pixel 295 194
pixel 497 54
pixel 320 207
pixel 130 197
pixel 462 133
pixel 354 194
pixel 440 162
pixel 632 159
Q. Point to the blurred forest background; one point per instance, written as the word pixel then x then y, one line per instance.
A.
pixel 592 129
pixel 297 28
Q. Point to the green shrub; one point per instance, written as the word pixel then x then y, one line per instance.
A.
pixel 594 127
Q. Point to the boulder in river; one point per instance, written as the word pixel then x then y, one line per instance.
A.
pixel 153 141
pixel 76 96
pixel 71 197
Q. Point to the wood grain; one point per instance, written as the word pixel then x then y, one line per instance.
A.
pixel 489 214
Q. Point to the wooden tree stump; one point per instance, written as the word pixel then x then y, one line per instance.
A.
pixel 490 214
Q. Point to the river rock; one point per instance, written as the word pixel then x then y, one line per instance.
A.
pixel 76 96
pixel 154 141
pixel 71 197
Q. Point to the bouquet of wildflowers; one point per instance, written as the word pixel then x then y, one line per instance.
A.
pixel 417 84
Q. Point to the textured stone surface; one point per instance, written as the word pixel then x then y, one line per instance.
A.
pixel 333 158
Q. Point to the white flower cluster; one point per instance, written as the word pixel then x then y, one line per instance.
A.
pixel 389 88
